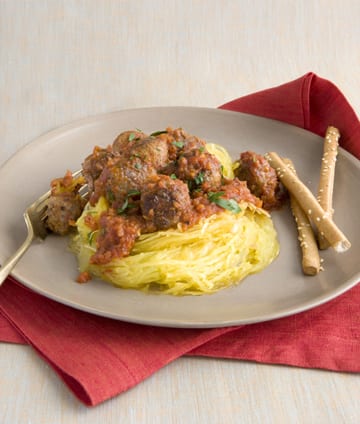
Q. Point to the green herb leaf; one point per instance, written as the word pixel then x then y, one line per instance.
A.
pixel 180 144
pixel 214 196
pixel 131 206
pixel 135 155
pixel 123 208
pixel 133 193
pixel 156 133
pixel 200 178
pixel 132 136
pixel 126 205
pixel 110 195
pixel 173 176
pixel 228 204
pixel 190 184
pixel 138 165
pixel 90 236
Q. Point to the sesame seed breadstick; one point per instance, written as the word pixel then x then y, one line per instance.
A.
pixel 309 204
pixel 327 175
pixel 311 263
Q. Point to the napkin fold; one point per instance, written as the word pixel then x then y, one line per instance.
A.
pixel 98 358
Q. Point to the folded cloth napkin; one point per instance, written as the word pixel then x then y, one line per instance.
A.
pixel 99 358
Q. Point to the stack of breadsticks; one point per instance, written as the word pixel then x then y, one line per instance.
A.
pixel 310 212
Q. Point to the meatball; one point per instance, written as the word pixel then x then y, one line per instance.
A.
pixel 177 133
pixel 62 212
pixel 115 182
pixel 199 169
pixel 261 179
pixel 152 151
pixel 141 159
pixel 239 191
pixel 65 204
pixel 94 164
pixel 126 139
pixel 163 201
pixel 192 142
pixel 180 142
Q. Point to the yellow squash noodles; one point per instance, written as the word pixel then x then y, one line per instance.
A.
pixel 224 158
pixel 216 253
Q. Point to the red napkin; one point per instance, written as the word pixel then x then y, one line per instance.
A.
pixel 99 358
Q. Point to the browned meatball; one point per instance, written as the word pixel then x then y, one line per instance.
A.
pixel 94 164
pixel 126 139
pixel 261 179
pixel 180 142
pixel 163 201
pixel 62 212
pixel 192 142
pixel 117 181
pixel 151 151
pixel 199 169
pixel 177 133
pixel 239 191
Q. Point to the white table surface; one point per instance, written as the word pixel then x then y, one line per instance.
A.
pixel 64 60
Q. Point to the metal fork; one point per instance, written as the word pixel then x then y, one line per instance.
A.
pixel 34 216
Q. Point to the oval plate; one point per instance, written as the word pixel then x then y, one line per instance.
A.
pixel 280 290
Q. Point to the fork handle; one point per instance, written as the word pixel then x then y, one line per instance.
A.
pixel 13 260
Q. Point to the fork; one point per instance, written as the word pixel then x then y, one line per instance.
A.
pixel 34 217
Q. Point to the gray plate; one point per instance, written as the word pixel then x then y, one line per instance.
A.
pixel 280 290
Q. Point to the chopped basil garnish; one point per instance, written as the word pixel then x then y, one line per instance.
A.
pixel 180 144
pixel 228 204
pixel 173 176
pixel 110 195
pixel 133 192
pixel 214 196
pixel 200 178
pixel 91 235
pixel 156 133
pixel 132 136
pixel 126 205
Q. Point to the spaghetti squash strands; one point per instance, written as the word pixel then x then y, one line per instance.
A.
pixel 224 158
pixel 218 252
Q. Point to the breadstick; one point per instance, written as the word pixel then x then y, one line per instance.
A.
pixel 309 204
pixel 311 263
pixel 327 175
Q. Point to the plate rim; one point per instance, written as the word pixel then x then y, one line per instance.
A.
pixel 72 124
pixel 95 118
